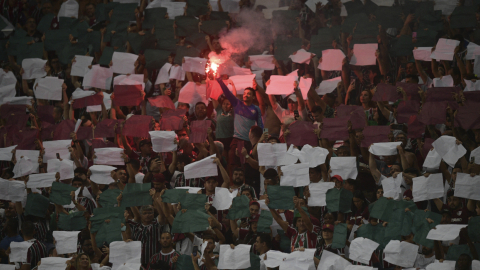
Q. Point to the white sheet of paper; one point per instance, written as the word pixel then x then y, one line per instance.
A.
pixel 40 180
pixel 332 261
pixel 242 81
pixel 77 125
pixel 101 174
pixel 476 154
pixel 192 93
pixel 301 57
pixel 6 92
pixel 331 60
pixel 191 190
pixel 125 252
pixel 384 149
pixel 361 249
pixel 467 187
pixel 177 73
pixel 80 93
pixel 98 77
pixel 472 51
pixel 6 153
pixel 7 78
pixel 313 155
pixel 241 71
pixel 7 267
pixel 18 100
pixel 69 9
pixel 327 86
pixel 272 154
pixel 49 88
pixel 123 63
pixel 107 101
pixel 304 84
pixel 202 168
pixel 109 156
pixel 392 187
pixel 433 160
pixel 12 190
pixel 32 155
pixel 427 188
pixel 80 66
pixel 445 232
pixel 447 148
pixel 33 68
pixel 66 242
pixel 262 62
pixel 422 53
pixel 274 258
pixel 445 81
pixel 223 198
pixel 295 175
pixel 318 193
pixel 132 79
pixel 19 251
pixel 299 260
pixel 174 9
pixel 364 55
pixel 444 49
pixel 281 85
pixel 54 263
pixel 163 141
pixel 401 253
pixel 445 265
pixel 64 167
pixel 194 64
pixel 54 147
pixel 471 86
pixel 238 258
pixel 163 76
pixel 346 167
pixel 24 166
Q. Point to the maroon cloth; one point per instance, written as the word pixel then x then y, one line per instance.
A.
pixel 172 119
pixel 467 116
pixel 13 136
pixel 46 134
pixel 162 102
pixel 386 92
pixel 19 120
pixel 375 134
pixel 88 101
pixel 137 126
pixel 28 139
pixel 443 94
pixel 433 113
pixel 62 131
pixel 128 95
pixel 301 133
pixel 407 108
pixel 411 89
pixel 415 127
pixel 355 114
pixel 45 113
pixel 198 131
pixel 7 109
pixel 99 143
pixel 84 133
pixel 335 128
pixel 106 128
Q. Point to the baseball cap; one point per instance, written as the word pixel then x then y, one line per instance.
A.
pixel 337 177
pixel 328 227
pixel 293 97
pixel 159 178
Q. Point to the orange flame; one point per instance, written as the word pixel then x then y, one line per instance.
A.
pixel 211 69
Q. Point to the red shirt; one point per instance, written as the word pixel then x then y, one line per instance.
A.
pixel 460 215
pixel 306 239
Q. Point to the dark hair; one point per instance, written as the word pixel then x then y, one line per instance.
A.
pixel 413 77
pixel 256 131
pixel 316 109
pixel 239 169
pixel 58 109
pixel 317 169
pixel 200 102
pixel 80 170
pixel 265 238
pixel 77 179
pixel 382 119
pixel 184 158
pixel 250 88
pixel 28 229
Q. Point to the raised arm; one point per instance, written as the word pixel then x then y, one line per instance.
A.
pixel 373 169
pixel 278 218
pixel 226 178
pixel 305 218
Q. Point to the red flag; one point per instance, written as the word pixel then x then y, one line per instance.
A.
pixel 128 95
